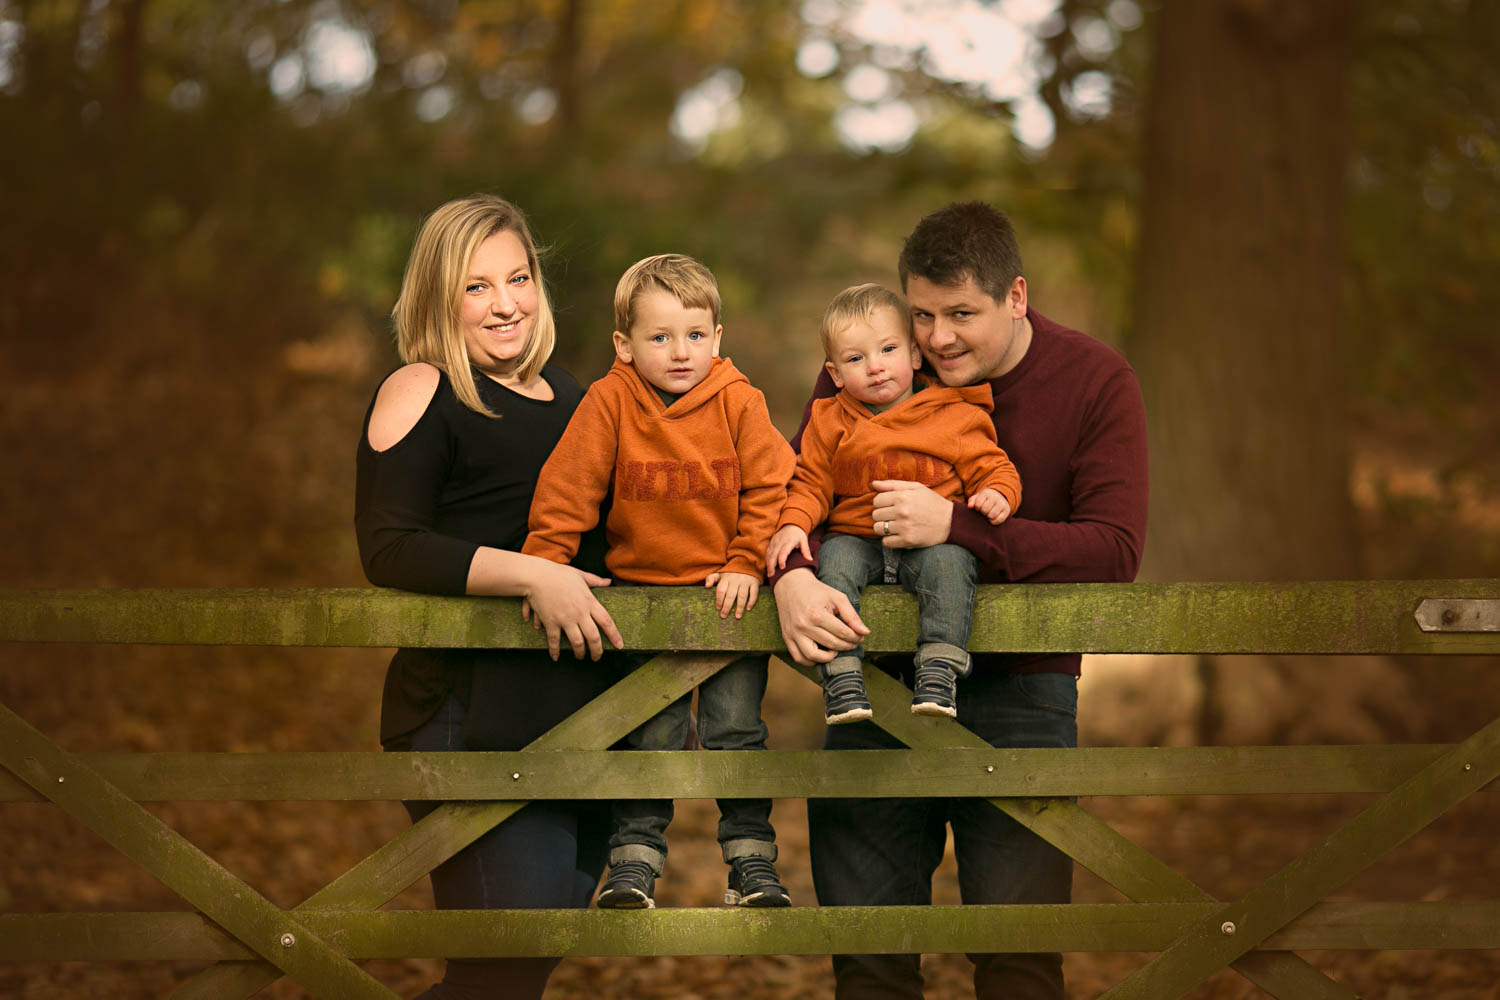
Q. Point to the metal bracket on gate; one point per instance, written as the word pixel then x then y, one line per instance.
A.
pixel 1455 615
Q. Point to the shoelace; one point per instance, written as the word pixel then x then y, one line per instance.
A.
pixel 934 675
pixel 755 870
pixel 632 870
pixel 843 685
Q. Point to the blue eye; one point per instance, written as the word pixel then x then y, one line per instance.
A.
pixel 695 335
pixel 888 348
pixel 660 338
pixel 474 287
pixel 520 279
pixel 854 359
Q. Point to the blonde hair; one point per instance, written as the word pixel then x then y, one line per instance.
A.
pixel 860 303
pixel 426 314
pixel 684 278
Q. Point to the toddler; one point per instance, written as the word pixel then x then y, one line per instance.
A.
pixel 883 424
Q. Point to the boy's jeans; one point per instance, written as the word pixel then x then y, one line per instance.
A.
pixel 941 576
pixel 728 719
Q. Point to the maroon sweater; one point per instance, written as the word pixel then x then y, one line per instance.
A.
pixel 1071 418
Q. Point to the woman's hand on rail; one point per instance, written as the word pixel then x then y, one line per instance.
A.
pixel 558 599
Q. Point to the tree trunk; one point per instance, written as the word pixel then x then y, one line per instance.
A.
pixel 1236 337
pixel 563 69
pixel 130 62
pixel 1236 334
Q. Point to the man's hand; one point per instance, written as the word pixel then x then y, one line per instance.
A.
pixel 733 590
pixel 909 515
pixel 992 504
pixel 817 621
pixel 786 541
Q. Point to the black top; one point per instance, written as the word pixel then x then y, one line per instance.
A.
pixel 422 507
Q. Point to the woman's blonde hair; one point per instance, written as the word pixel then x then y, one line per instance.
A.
pixel 426 314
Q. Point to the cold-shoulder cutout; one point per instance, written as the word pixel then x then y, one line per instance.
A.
pixel 402 400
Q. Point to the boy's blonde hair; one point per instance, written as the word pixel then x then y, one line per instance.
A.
pixel 860 303
pixel 684 278
pixel 426 314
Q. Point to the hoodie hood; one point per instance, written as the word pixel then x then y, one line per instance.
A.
pixel 720 374
pixel 919 407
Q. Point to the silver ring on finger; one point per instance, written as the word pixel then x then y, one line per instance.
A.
pixel 886 527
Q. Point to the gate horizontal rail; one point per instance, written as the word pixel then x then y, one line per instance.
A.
pixel 1084 927
pixel 1370 617
pixel 1194 933
pixel 774 774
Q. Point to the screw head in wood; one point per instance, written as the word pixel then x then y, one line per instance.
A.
pixel 288 939
pixel 1227 928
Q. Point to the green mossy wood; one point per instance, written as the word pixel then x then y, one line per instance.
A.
pixel 1323 617
pixel 1169 914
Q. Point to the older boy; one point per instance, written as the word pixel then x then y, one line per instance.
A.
pixel 1070 414
pixel 881 426
pixel 699 473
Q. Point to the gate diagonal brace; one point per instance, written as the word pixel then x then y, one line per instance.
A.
pixel 453 826
pixel 1092 843
pixel 1245 923
pixel 276 936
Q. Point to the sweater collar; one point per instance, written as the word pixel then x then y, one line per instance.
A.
pixel 720 374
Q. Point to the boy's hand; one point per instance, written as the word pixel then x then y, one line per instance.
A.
pixel 992 504
pixel 733 590
pixel 784 543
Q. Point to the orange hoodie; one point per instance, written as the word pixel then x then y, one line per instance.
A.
pixel 697 485
pixel 940 436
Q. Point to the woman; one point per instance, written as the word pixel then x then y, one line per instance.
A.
pixel 452 447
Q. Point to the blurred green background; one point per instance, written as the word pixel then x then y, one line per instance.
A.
pixel 1286 214
pixel 206 209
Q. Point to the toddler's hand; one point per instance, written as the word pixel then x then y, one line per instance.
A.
pixel 992 504
pixel 784 543
pixel 733 590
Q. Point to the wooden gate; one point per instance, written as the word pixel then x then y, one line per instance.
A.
pixel 317 943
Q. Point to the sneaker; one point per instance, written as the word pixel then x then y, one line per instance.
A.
pixel 936 691
pixel 844 699
pixel 753 882
pixel 628 887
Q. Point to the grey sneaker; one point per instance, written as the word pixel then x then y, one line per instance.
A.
pixel 936 690
pixel 628 887
pixel 753 882
pixel 844 699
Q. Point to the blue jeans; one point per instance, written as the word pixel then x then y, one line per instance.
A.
pixel 882 852
pixel 547 856
pixel 728 719
pixel 941 576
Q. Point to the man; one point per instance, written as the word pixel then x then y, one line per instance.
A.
pixel 1068 411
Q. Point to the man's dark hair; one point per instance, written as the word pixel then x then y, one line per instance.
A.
pixel 961 240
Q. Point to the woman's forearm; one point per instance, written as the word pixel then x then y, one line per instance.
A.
pixel 502 573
